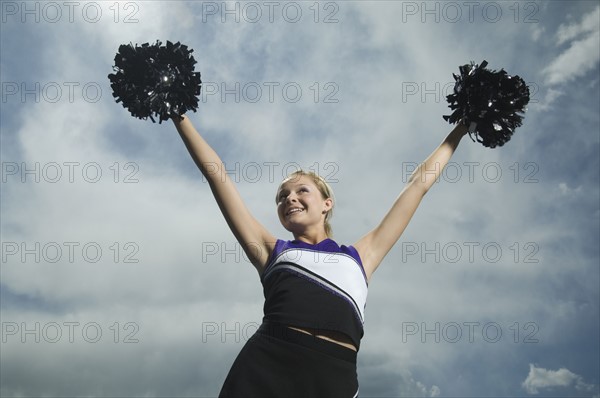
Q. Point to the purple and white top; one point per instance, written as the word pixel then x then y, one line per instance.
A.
pixel 322 286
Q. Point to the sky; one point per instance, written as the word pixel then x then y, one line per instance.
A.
pixel 120 277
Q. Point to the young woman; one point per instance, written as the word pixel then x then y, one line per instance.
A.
pixel 315 290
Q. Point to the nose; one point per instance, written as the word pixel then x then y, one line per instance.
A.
pixel 291 198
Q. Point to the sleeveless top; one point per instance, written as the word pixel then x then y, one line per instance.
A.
pixel 322 286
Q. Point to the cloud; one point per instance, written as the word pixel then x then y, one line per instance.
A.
pixel 550 97
pixel 536 32
pixel 434 391
pixel 581 56
pixel 540 378
pixel 589 24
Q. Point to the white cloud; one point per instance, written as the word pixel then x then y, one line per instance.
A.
pixel 566 190
pixel 581 56
pixel 589 24
pixel 536 32
pixel 540 378
pixel 551 96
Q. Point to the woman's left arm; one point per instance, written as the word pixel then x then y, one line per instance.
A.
pixel 374 246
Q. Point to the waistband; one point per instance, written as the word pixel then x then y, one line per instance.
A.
pixel 282 332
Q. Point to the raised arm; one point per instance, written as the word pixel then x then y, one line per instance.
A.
pixel 373 247
pixel 256 241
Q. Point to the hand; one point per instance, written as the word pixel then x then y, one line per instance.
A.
pixel 461 128
pixel 178 118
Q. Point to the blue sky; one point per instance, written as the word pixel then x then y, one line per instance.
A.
pixel 119 276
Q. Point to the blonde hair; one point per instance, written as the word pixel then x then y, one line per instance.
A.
pixel 324 188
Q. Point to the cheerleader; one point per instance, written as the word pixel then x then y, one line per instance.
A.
pixel 315 289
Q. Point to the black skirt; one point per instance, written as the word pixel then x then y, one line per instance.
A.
pixel 281 362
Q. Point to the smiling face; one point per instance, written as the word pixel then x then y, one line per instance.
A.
pixel 301 206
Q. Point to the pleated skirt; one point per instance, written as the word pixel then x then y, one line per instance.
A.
pixel 281 362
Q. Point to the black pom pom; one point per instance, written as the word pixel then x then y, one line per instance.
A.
pixel 156 80
pixel 493 100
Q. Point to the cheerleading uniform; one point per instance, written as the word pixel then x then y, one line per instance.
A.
pixel 321 287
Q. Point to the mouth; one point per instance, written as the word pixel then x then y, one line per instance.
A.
pixel 293 210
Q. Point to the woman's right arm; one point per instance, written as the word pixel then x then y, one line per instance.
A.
pixel 256 241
